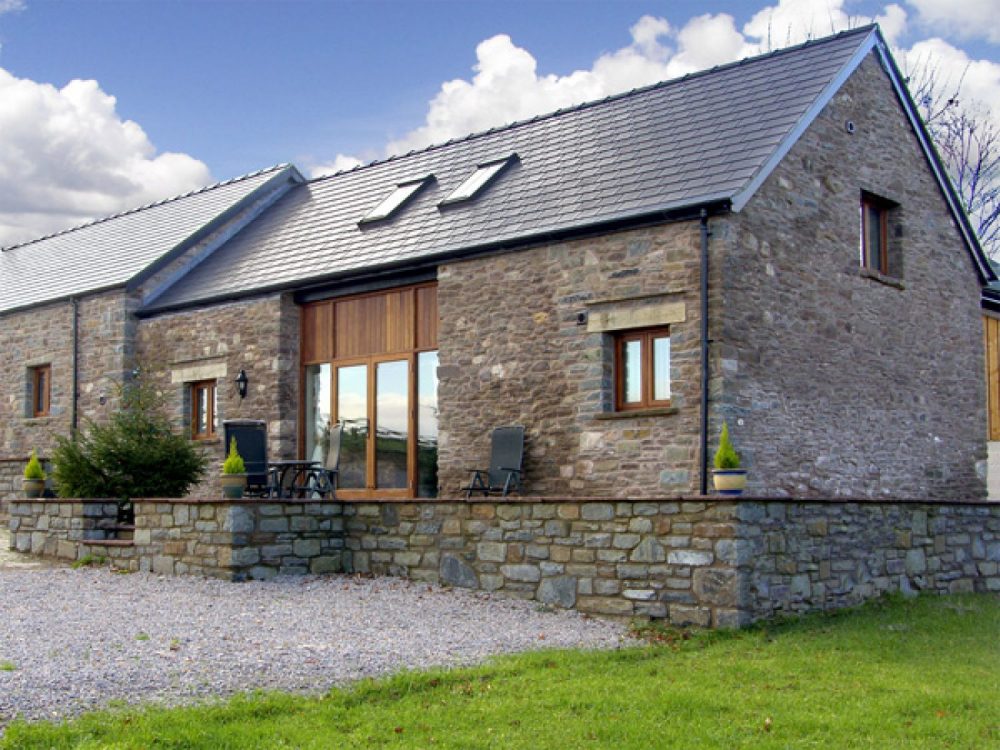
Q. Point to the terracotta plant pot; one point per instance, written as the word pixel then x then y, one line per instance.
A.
pixel 33 487
pixel 233 485
pixel 729 481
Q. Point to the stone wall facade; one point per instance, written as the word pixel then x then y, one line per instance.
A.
pixel 513 351
pixel 837 382
pixel 260 336
pixel 43 336
pixel 232 539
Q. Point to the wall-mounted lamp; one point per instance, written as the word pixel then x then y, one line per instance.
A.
pixel 241 383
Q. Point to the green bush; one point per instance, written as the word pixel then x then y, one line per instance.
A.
pixel 726 456
pixel 34 468
pixel 234 461
pixel 136 454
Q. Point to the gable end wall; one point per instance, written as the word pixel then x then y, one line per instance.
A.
pixel 836 384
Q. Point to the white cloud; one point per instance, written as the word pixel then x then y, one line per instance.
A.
pixel 9 6
pixel 340 163
pixel 506 85
pixel 67 157
pixel 980 79
pixel 967 19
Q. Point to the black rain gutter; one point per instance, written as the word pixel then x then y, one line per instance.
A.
pixel 75 387
pixel 603 226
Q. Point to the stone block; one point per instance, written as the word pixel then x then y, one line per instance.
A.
pixel 716 586
pixel 325 564
pixel 916 562
pixel 558 590
pixel 731 619
pixel 245 556
pixel 406 559
pixel 261 573
pixel 163 565
pixel 649 551
pixel 568 512
pixel 604 605
pixel 682 616
pixel 274 525
pixel 306 547
pixel 303 523
pixel 597 511
pixel 521 573
pixel 492 551
pixel 456 573
pixel 690 557
pixel 625 541
pixel 639 595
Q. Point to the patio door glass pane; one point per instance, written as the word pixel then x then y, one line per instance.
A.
pixel 427 424
pixel 392 424
pixel 317 411
pixel 352 410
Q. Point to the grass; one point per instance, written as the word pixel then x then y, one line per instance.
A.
pixel 88 561
pixel 922 673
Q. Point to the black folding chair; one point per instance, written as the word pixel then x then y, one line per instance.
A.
pixel 506 457
pixel 251 442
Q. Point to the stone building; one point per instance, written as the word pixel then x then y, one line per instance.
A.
pixel 552 274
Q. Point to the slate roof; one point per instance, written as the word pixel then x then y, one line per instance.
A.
pixel 688 142
pixel 111 252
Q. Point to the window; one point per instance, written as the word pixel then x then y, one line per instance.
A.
pixel 41 390
pixel 642 369
pixel 395 200
pixel 370 362
pixel 478 180
pixel 875 233
pixel 203 409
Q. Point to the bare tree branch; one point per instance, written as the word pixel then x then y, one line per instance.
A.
pixel 968 140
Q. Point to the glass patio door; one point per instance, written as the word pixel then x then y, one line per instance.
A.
pixel 374 393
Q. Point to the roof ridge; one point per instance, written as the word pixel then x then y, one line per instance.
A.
pixel 866 29
pixel 197 191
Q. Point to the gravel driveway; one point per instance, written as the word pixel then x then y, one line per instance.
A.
pixel 71 640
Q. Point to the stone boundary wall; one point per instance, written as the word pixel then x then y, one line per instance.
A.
pixel 691 561
pixel 798 556
pixel 58 528
pixel 232 539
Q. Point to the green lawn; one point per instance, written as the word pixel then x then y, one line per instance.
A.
pixel 896 674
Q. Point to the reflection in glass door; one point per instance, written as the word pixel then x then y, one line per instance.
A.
pixel 352 411
pixel 392 425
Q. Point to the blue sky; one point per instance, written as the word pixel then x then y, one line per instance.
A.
pixel 220 88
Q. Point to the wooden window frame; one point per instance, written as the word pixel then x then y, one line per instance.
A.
pixel 883 207
pixel 41 390
pixel 195 388
pixel 646 337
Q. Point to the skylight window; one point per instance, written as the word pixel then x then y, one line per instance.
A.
pixel 395 200
pixel 475 182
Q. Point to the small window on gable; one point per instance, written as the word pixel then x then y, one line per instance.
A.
pixel 204 405
pixel 395 200
pixel 878 247
pixel 642 369
pixel 41 390
pixel 478 180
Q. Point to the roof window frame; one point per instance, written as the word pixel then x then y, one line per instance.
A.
pixel 498 167
pixel 402 194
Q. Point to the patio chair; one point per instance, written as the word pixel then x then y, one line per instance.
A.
pixel 251 442
pixel 325 477
pixel 504 474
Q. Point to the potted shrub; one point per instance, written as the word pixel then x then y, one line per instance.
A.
pixel 34 477
pixel 234 476
pixel 728 477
